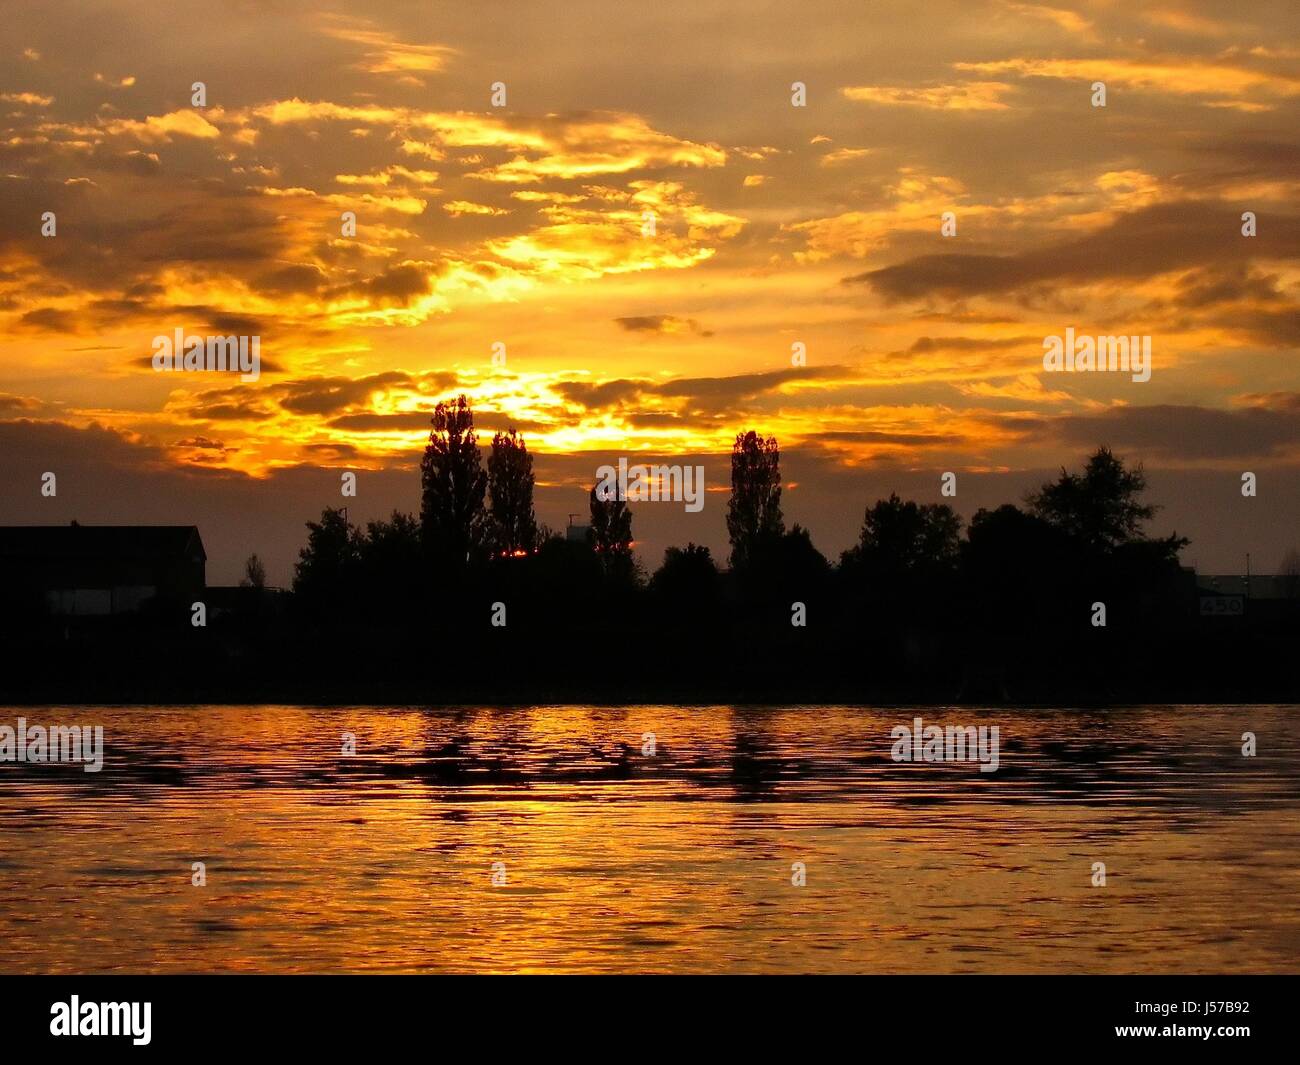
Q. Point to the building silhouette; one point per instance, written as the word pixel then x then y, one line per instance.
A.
pixel 99 570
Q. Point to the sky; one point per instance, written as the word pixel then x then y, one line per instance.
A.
pixel 525 225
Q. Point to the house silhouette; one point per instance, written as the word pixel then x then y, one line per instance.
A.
pixel 97 570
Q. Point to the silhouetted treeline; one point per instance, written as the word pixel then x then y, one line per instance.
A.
pixel 1061 597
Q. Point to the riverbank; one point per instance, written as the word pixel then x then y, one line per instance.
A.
pixel 664 666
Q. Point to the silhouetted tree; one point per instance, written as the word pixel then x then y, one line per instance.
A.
pixel 254 574
pixel 452 518
pixel 510 489
pixel 783 569
pixel 688 573
pixel 754 511
pixel 563 582
pixel 1099 507
pixel 390 565
pixel 611 536
pixel 795 557
pixel 905 562
pixel 326 574
pixel 900 538
pixel 1035 577
pixel 1017 570
pixel 392 546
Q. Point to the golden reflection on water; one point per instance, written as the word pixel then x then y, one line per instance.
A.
pixel 618 862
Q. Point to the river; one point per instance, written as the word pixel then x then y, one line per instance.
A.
pixel 751 839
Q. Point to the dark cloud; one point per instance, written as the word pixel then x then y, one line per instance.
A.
pixel 202 443
pixel 1226 284
pixel 315 396
pixel 49 320
pixel 1281 157
pixel 662 323
pixel 495 422
pixel 327 395
pixel 9 403
pixel 290 280
pixel 743 386
pixel 116 309
pixel 924 345
pixel 331 451
pixel 1283 401
pixel 405 421
pixel 1271 327
pixel 712 394
pixel 233 412
pixel 1177 433
pixel 1235 158
pixel 866 436
pixel 226 404
pixel 658 420
pixel 436 381
pixel 1151 241
pixel 109 258
pixel 238 324
pixel 395 286
pixel 599 396
pixel 401 421
pixel 134 161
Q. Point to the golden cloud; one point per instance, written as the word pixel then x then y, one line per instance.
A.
pixel 964 96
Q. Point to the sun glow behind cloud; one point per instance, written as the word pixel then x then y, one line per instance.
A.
pixel 527 225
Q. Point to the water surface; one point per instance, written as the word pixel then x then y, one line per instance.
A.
pixel 682 861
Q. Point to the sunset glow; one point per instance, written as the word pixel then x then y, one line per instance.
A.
pixel 524 225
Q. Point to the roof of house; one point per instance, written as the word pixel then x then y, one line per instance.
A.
pixel 1258 585
pixel 99 541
